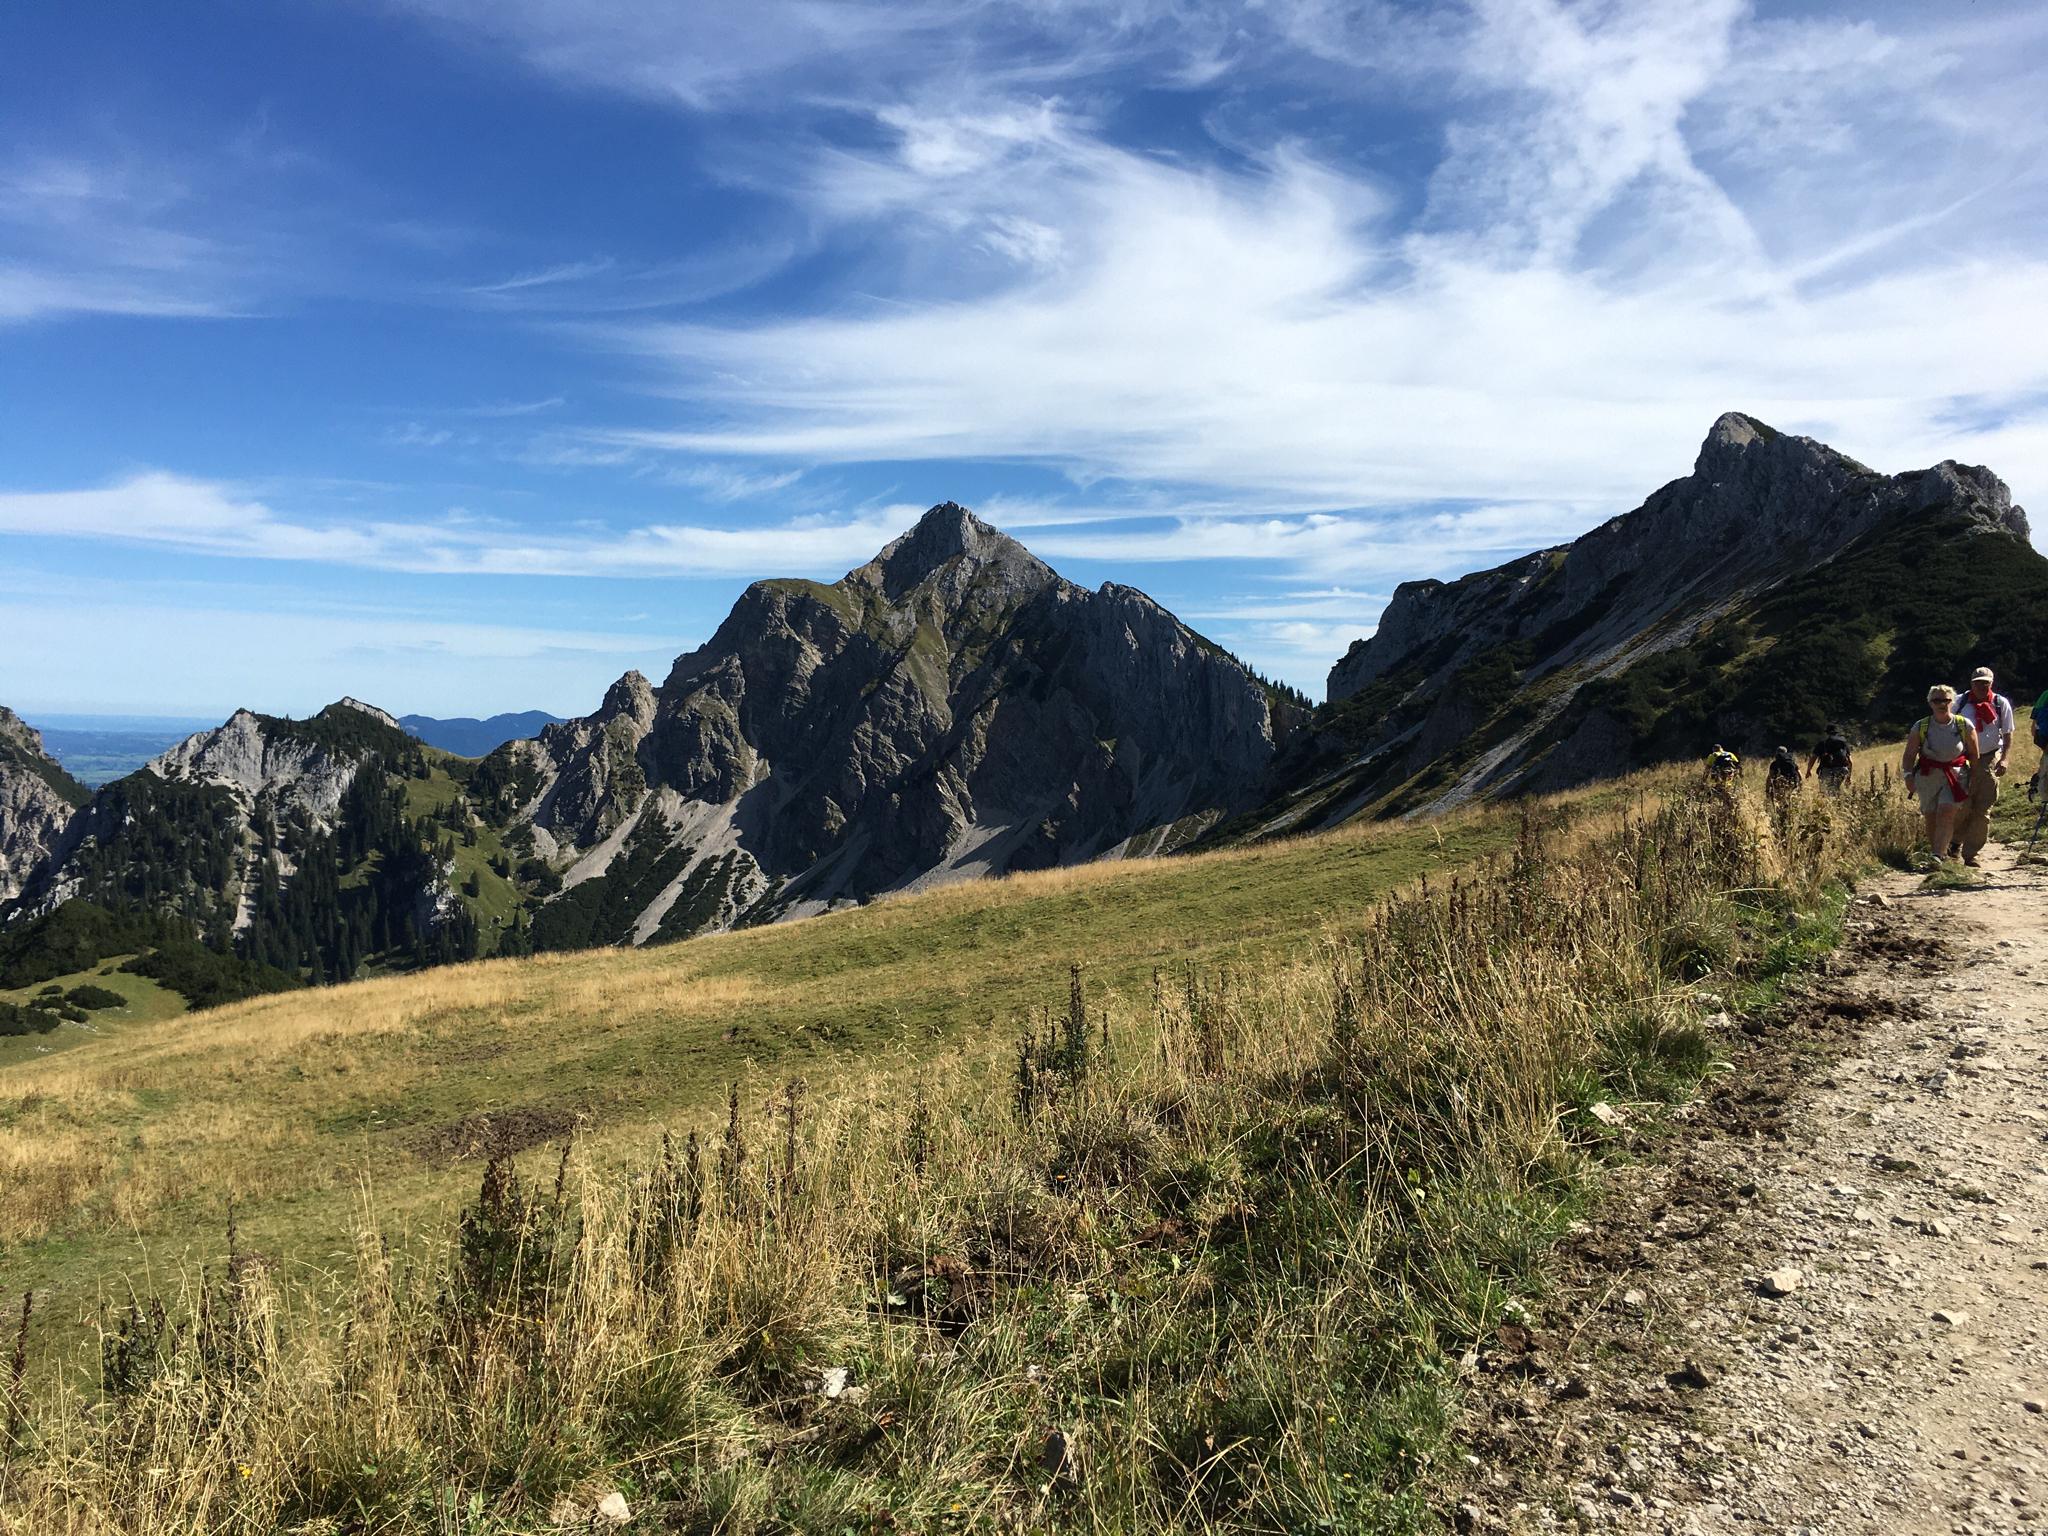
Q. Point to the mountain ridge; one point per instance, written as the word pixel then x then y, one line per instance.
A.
pixel 1473 687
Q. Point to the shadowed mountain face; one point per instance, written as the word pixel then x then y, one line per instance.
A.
pixel 951 708
pixel 1779 586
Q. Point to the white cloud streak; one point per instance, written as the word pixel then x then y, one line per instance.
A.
pixel 1617 245
pixel 204 517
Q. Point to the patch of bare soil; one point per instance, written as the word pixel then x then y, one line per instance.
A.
pixel 502 1131
pixel 1817 1304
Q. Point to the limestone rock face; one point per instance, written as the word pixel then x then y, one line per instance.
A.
pixel 38 801
pixel 953 707
pixel 292 774
pixel 246 757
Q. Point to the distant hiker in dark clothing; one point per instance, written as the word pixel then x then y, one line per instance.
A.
pixel 2040 740
pixel 1781 779
pixel 1832 761
pixel 1990 715
pixel 1941 749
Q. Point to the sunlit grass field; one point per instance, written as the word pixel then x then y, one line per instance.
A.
pixel 124 1153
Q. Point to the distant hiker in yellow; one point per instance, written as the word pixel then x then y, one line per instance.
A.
pixel 1990 713
pixel 1941 751
pixel 1721 768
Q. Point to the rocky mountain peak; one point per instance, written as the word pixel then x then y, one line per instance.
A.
pixel 630 695
pixel 949 533
pixel 382 717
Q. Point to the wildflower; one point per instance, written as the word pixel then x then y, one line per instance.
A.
pixel 243 1469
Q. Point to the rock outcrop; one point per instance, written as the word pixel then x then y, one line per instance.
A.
pixel 951 708
pixel 38 801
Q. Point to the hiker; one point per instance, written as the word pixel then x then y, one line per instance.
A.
pixel 1721 767
pixel 1941 749
pixel 1990 715
pixel 1832 761
pixel 1781 779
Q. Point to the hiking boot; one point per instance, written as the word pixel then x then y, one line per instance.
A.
pixel 1969 861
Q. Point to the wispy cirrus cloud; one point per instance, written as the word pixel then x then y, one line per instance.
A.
pixel 207 517
pixel 1598 262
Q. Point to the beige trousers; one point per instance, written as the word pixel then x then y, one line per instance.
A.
pixel 1973 823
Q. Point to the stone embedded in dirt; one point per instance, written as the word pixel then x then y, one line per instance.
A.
pixel 1879 899
pixel 1936 1227
pixel 1608 1114
pixel 2033 1405
pixel 1891 1162
pixel 1950 1319
pixel 1781 1282
pixel 1634 1300
pixel 832 1381
pixel 612 1509
pixel 1467 1518
pixel 1691 1375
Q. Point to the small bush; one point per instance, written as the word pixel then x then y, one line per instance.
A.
pixel 95 998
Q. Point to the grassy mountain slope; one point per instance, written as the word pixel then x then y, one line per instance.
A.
pixel 1204 1261
pixel 133 1144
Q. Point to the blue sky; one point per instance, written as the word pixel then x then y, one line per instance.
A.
pixel 460 354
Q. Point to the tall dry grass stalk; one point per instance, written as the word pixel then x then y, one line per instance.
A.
pixel 1199 1266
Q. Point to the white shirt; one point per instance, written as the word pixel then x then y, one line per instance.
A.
pixel 1989 736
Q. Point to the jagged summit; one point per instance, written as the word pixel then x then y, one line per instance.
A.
pixel 945 534
pixel 951 707
pixel 632 694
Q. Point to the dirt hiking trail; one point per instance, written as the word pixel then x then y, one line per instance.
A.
pixel 1821 1307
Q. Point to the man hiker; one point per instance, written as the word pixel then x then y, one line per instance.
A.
pixel 1781 779
pixel 1990 715
pixel 1832 761
pixel 1721 767
pixel 1941 749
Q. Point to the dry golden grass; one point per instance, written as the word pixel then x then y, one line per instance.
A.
pixel 1195 1264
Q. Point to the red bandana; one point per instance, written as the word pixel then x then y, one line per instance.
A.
pixel 1986 710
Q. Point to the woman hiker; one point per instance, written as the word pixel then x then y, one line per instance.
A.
pixel 1941 753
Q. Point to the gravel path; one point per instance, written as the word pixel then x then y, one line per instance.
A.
pixel 1826 1314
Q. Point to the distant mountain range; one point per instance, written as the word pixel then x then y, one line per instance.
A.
pixel 467 737
pixel 954 708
